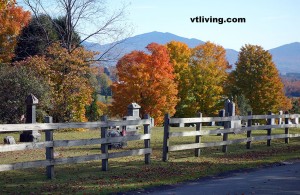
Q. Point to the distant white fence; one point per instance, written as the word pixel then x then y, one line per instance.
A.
pixel 285 125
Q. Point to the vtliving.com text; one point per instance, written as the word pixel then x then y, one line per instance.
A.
pixel 202 19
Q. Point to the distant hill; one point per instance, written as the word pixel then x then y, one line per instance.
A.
pixel 286 57
pixel 139 42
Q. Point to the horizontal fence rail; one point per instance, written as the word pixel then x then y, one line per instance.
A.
pixel 50 144
pixel 230 118
pixel 284 119
pixel 54 126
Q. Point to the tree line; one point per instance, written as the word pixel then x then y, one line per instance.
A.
pixel 43 55
pixel 182 81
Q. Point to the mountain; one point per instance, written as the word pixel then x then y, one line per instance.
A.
pixel 232 56
pixel 286 57
pixel 139 42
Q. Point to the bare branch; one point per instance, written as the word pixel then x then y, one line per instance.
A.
pixel 89 18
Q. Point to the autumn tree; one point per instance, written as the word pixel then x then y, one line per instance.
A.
pixel 292 87
pixel 257 78
pixel 68 77
pixel 180 55
pixel 12 19
pixel 208 77
pixel 148 80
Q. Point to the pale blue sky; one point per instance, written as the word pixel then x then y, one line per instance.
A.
pixel 269 23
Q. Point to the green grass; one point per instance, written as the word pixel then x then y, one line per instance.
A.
pixel 131 173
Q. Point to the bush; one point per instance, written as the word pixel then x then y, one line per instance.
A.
pixel 16 83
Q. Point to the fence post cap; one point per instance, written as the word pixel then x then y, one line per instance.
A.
pixel 31 100
pixel 134 105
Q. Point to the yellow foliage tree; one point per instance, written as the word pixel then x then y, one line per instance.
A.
pixel 257 78
pixel 180 55
pixel 208 72
pixel 68 76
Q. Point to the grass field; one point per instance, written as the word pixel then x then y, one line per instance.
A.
pixel 130 173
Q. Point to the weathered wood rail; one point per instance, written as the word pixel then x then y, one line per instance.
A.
pixel 238 130
pixel 49 144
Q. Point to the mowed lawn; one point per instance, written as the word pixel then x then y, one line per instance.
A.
pixel 130 173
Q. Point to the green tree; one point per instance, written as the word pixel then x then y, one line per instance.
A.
pixel 87 18
pixel 257 78
pixel 295 106
pixel 16 83
pixel 105 84
pixel 94 111
pixel 40 33
pixel 243 106
pixel 208 77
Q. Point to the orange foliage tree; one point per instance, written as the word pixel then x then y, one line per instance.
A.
pixel 208 76
pixel 68 76
pixel 292 87
pixel 12 19
pixel 180 55
pixel 257 78
pixel 148 80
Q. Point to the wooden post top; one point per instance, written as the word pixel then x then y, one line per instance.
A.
pixel 31 100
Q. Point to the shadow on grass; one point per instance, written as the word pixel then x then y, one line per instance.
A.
pixel 124 175
pixel 88 177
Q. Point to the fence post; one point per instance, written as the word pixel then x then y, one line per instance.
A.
pixel 166 138
pixel 49 150
pixel 269 131
pixel 229 111
pixel 147 130
pixel 286 130
pixel 280 118
pixel 198 137
pixel 227 125
pixel 30 136
pixel 249 132
pixel 104 147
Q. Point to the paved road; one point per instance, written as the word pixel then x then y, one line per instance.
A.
pixel 283 178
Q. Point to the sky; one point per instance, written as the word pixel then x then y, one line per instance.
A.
pixel 269 23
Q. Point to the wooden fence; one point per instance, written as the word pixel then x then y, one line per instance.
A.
pixel 271 124
pixel 50 144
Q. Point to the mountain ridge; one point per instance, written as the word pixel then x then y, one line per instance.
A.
pixel 286 57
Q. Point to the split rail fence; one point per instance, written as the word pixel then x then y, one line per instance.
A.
pixel 283 120
pixel 49 144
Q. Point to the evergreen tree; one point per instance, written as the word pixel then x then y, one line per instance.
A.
pixel 39 34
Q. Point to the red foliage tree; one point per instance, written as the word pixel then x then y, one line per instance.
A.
pixel 12 19
pixel 147 79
